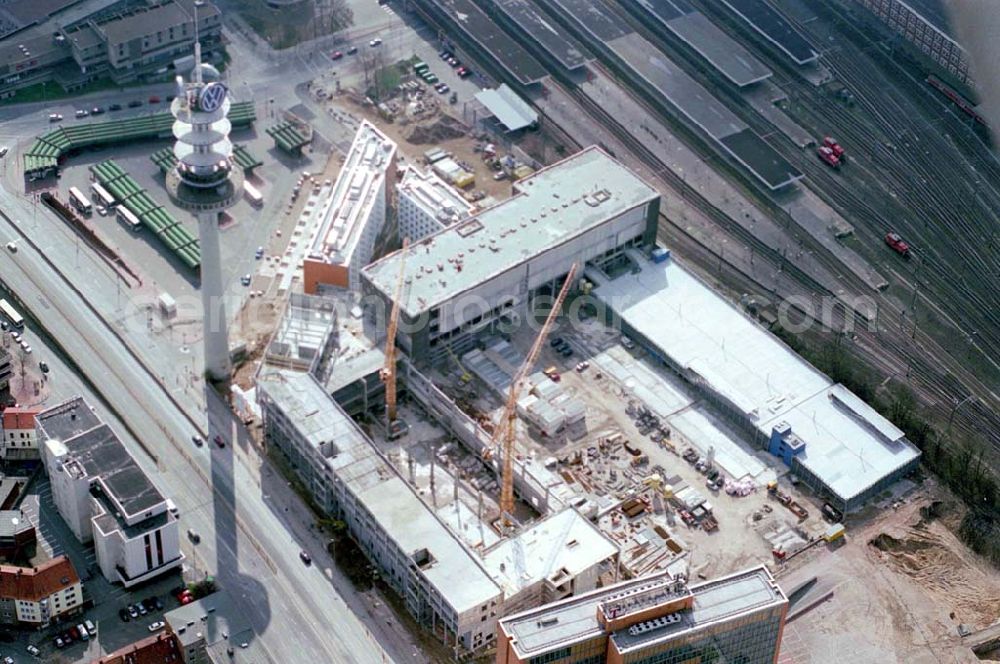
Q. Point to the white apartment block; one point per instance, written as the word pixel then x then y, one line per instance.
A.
pixel 351 213
pixel 105 497
pixel 427 204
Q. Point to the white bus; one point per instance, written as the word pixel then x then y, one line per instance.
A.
pixel 10 313
pixel 102 196
pixel 79 201
pixel 130 220
pixel 253 194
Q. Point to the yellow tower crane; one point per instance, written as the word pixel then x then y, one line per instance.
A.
pixel 506 428
pixel 388 373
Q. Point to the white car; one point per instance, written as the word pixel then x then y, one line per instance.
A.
pixel 375 42
pixel 154 627
pixel 32 650
pixel 82 113
pixel 25 347
pixel 12 247
pixel 55 117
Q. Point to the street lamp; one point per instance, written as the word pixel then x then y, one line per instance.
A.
pixel 958 404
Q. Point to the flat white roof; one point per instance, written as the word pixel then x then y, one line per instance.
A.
pixel 400 513
pixel 460 579
pixel 344 209
pixel 849 446
pixel 512 111
pixel 434 196
pixel 549 208
pixel 564 541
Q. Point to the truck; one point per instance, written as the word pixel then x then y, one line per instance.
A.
pixel 897 244
pixel 828 156
pixel 838 150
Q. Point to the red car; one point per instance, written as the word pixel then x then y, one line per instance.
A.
pixel 218 441
pixel 336 55
pixel 154 100
pixel 897 244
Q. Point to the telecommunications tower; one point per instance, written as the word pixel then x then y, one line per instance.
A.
pixel 205 183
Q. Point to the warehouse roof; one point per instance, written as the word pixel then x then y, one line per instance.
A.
pixel 849 446
pixel 509 109
pixel 548 209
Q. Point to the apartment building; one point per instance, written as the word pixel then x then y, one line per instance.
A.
pixel 37 596
pixel 20 440
pixel 127 42
pixel 427 204
pixel 351 213
pixel 105 497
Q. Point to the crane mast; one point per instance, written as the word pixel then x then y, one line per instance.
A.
pixel 506 428
pixel 388 373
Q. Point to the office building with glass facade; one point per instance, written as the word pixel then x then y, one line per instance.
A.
pixel 659 619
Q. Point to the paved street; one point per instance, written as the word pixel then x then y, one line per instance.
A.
pixel 293 607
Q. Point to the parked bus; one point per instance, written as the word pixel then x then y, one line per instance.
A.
pixel 10 313
pixel 253 194
pixel 102 196
pixel 79 201
pixel 130 220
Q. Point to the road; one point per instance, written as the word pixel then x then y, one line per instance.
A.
pixel 294 608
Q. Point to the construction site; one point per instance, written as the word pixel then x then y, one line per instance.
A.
pixel 510 422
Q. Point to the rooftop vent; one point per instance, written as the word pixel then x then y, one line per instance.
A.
pixel 548 622
pixel 656 623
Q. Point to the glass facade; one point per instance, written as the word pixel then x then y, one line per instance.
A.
pixel 750 639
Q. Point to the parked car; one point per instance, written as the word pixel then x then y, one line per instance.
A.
pixel 306 558
pixel 158 603
pixel 59 643
pixel 197 440
pixel 375 42
pixel 442 88
pixel 55 117
pixel 90 627
pixel 115 107
pixel 352 50
pixel 123 615
pixel 193 536
pixel 26 347
pixel 141 609
pixel 156 626
pixel 453 61
pixel 259 253
pixel 4 150
pixel 445 55
pixel 132 611
pixel 336 55
pixel 463 72
pixel 566 352
pixel 582 366
pixel 219 442
pixel 32 650
pixel 8 660
pixel 246 279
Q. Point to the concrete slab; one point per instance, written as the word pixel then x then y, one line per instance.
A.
pixel 548 35
pixel 766 20
pixel 715 46
pixel 763 98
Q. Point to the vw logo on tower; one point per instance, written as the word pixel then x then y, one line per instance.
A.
pixel 211 97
